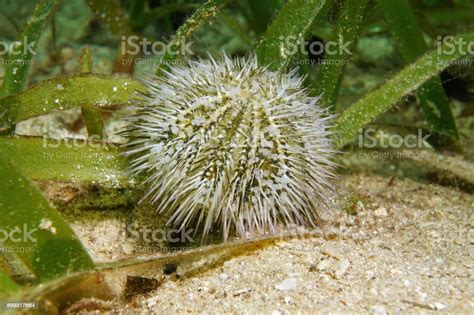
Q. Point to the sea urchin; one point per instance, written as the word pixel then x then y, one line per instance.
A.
pixel 229 142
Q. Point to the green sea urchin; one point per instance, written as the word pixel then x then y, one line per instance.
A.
pixel 227 141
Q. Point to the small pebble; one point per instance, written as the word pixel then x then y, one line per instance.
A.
pixel 242 291
pixel 438 306
pixel 370 274
pixel 379 310
pixel 323 265
pixel 223 276
pixel 341 268
pixel 381 212
pixel 286 285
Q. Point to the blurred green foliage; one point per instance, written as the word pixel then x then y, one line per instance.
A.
pixel 38 235
pixel 80 45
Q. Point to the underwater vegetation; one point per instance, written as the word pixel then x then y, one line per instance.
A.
pixel 227 118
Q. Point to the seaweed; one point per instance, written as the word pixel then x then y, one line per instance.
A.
pixel 58 259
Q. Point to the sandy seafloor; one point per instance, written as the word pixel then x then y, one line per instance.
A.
pixel 409 249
